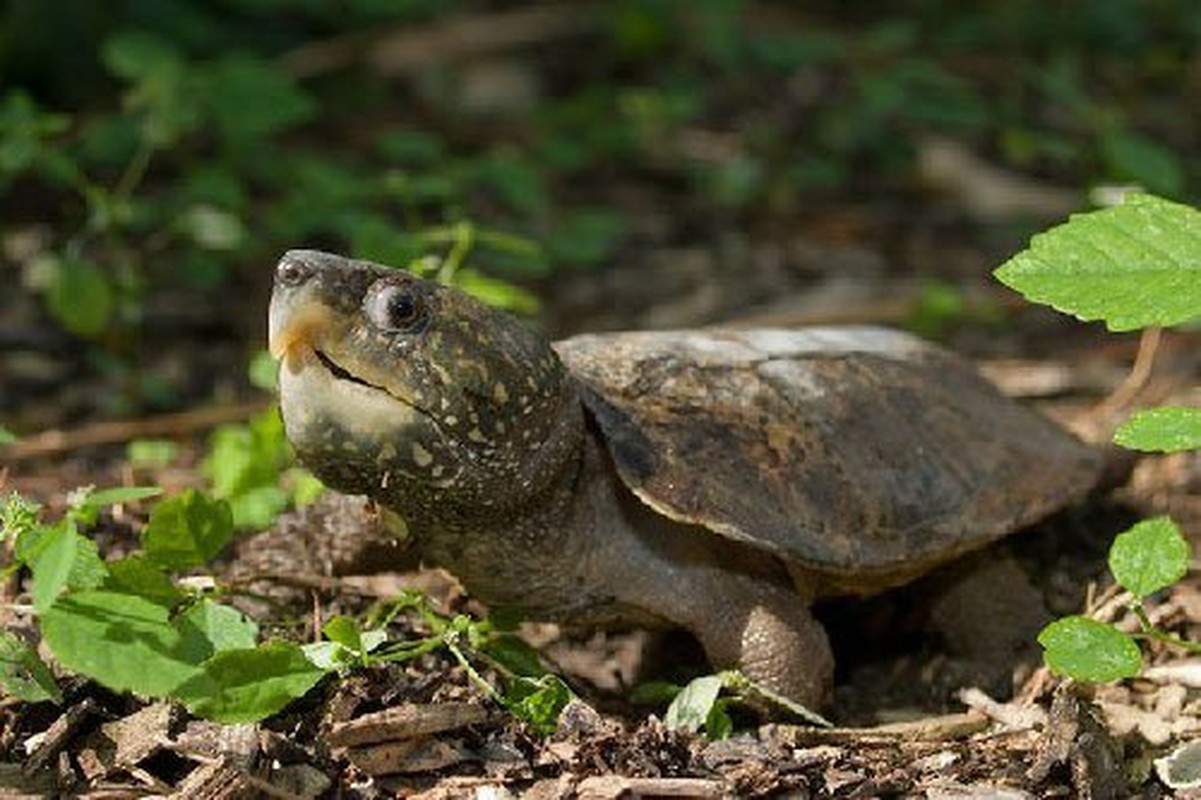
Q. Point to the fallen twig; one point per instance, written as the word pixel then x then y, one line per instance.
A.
pixel 182 423
pixel 407 49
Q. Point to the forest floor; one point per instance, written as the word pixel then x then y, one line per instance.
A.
pixel 909 719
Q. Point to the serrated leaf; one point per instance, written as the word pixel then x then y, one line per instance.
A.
pixel 691 707
pixel 1150 556
pixel 23 674
pixel 124 642
pixel 1169 429
pixel 187 530
pixel 1087 650
pixel 247 685
pixel 1133 266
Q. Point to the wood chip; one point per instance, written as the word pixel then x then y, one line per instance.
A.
pixel 405 722
pixel 140 735
pixel 611 787
pixel 1186 672
pixel 58 735
pixel 218 781
pixel 1016 716
pixel 408 756
pixel 950 790
pixel 929 729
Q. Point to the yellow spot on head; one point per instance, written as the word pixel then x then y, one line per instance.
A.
pixel 421 456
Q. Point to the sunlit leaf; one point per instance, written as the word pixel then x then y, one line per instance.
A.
pixel 1150 556
pixel 1087 650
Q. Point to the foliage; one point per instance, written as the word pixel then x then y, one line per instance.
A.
pixel 1133 265
pixel 705 703
pixel 199 144
pixel 131 625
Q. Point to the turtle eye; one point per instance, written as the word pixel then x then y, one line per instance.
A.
pixel 395 308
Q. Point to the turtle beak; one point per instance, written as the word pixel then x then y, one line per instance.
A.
pixel 298 321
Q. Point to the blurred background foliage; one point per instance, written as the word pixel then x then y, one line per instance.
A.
pixel 157 155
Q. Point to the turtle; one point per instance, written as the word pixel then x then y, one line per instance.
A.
pixel 719 480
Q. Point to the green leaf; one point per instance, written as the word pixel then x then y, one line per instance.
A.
pixel 7 437
pixel 1131 157
pixel 344 631
pixel 1150 556
pixel 247 685
pixel 80 297
pixel 1169 429
pixel 119 494
pixel 1087 650
pixel 135 55
pixel 151 453
pixel 263 371
pixel 516 655
pixel 718 724
pixel 124 642
pixel 187 530
pixel 18 517
pixel 1133 266
pixel 24 131
pixel 654 693
pixel 538 702
pixel 587 237
pixel 23 674
pixel 257 507
pixel 52 567
pixel 250 100
pixel 162 89
pixel 138 575
pixel 209 628
pixel 60 558
pixel 691 707
pixel 496 293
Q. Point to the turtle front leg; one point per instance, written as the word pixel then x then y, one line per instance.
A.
pixel 769 634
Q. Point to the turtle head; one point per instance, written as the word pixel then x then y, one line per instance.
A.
pixel 414 393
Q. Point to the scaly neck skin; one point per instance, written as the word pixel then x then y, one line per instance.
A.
pixel 520 557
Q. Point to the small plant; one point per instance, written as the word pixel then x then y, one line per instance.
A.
pixel 132 625
pixel 704 703
pixel 1134 266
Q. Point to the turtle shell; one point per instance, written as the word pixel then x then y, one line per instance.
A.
pixel 850 450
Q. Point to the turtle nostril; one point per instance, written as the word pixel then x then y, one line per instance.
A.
pixel 292 272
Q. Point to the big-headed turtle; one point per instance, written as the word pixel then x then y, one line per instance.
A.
pixel 718 480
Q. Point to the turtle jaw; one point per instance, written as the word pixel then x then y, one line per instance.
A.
pixel 357 435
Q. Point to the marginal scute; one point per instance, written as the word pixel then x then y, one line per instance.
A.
pixel 846 450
